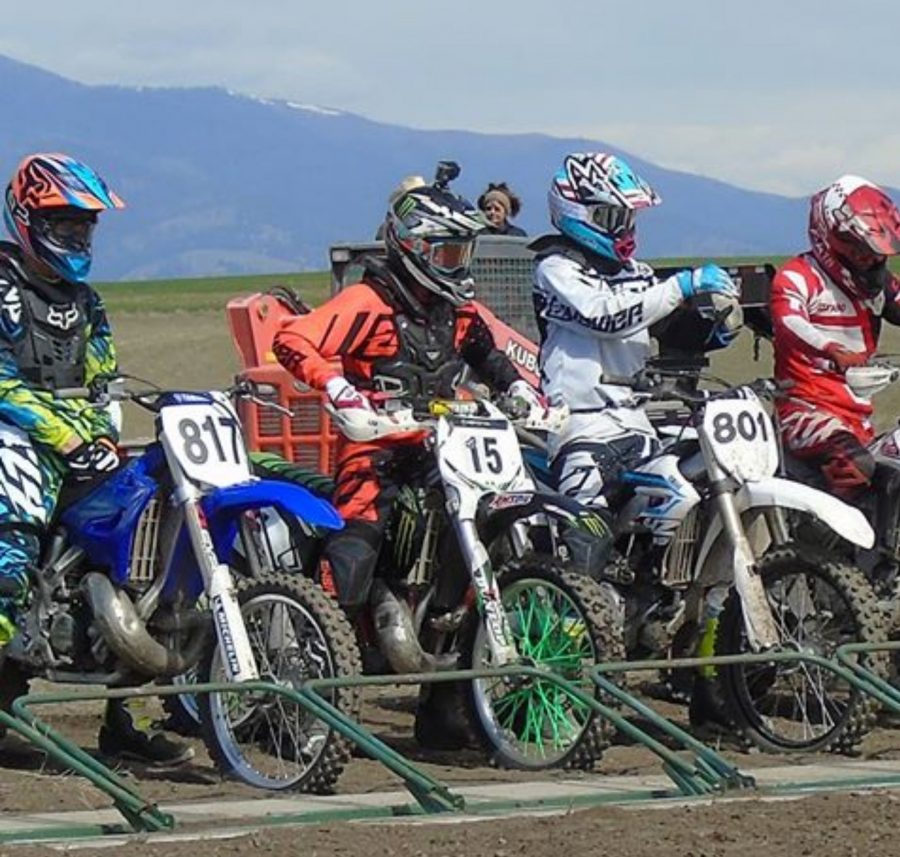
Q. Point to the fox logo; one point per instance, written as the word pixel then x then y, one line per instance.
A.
pixel 62 316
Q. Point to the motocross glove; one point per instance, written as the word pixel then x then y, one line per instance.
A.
pixel 344 395
pixel 89 459
pixel 708 279
pixel 535 401
pixel 844 358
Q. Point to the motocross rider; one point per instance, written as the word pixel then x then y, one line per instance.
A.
pixel 54 333
pixel 827 305
pixel 595 304
pixel 408 330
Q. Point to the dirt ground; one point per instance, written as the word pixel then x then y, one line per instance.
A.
pixel 821 826
pixel 838 824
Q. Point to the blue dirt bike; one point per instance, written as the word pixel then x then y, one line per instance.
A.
pixel 138 583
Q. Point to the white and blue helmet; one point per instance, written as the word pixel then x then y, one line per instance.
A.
pixel 593 199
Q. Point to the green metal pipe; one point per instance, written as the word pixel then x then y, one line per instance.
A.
pixel 689 779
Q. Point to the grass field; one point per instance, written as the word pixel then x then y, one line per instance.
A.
pixel 175 333
pixel 205 293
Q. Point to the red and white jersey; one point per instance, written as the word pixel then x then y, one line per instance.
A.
pixel 810 311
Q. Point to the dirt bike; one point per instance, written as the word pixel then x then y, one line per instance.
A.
pixel 447 595
pixel 136 584
pixel 702 534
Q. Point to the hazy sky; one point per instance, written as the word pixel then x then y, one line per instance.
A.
pixel 778 95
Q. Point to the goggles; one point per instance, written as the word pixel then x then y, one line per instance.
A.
pixel 613 219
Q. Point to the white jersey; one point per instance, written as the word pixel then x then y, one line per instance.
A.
pixel 594 324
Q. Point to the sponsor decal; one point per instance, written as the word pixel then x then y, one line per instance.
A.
pixel 225 639
pixel 509 501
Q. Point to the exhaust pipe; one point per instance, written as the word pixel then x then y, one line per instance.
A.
pixel 397 636
pixel 126 634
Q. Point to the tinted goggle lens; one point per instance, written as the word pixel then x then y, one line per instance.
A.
pixel 450 257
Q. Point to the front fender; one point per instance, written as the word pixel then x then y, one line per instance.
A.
pixel 287 497
pixel 774 493
pixel 846 520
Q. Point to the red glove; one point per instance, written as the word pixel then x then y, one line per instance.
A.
pixel 844 359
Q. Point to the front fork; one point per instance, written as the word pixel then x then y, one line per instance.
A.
pixel 234 643
pixel 762 632
pixel 487 592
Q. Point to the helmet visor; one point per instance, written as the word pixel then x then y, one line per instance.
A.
pixel 613 219
pixel 451 258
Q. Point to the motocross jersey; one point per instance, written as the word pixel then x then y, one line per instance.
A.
pixel 810 311
pixel 380 346
pixel 595 321
pixel 51 336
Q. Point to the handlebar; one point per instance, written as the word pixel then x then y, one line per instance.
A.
pixel 106 389
pixel 650 386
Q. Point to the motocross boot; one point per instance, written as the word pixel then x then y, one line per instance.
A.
pixel 121 738
pixel 442 718
pixel 706 712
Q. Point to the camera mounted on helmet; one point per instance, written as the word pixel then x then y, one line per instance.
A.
pixel 429 235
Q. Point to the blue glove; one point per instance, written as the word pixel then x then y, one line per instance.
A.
pixel 710 279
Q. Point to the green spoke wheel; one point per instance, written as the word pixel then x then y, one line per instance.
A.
pixel 562 622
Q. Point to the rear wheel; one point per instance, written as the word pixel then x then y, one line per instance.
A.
pixel 562 622
pixel 819 604
pixel 297 633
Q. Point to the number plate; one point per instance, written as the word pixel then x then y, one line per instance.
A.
pixel 478 456
pixel 742 437
pixel 206 441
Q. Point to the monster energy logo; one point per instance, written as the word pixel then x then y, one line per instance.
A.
pixel 593 524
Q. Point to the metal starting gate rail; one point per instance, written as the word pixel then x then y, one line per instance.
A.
pixel 695 771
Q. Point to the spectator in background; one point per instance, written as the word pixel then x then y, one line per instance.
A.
pixel 407 184
pixel 499 204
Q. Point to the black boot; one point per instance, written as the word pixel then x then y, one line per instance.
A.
pixel 706 711
pixel 442 717
pixel 120 738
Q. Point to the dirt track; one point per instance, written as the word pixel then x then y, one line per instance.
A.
pixel 824 825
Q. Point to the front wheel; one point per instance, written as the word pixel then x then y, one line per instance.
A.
pixel 819 603
pixel 562 622
pixel 297 633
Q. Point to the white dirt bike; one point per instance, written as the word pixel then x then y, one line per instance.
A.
pixel 703 530
pixel 450 592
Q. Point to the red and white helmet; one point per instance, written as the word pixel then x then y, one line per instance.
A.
pixel 854 226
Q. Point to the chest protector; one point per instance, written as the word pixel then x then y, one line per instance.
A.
pixel 52 348
pixel 427 364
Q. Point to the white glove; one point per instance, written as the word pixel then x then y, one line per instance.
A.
pixel 344 395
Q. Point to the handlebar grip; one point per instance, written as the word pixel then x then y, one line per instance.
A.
pixel 72 393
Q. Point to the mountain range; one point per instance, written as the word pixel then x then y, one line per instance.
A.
pixel 222 183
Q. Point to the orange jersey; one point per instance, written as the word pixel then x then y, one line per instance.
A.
pixel 363 336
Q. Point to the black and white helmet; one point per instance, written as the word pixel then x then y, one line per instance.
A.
pixel 429 232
